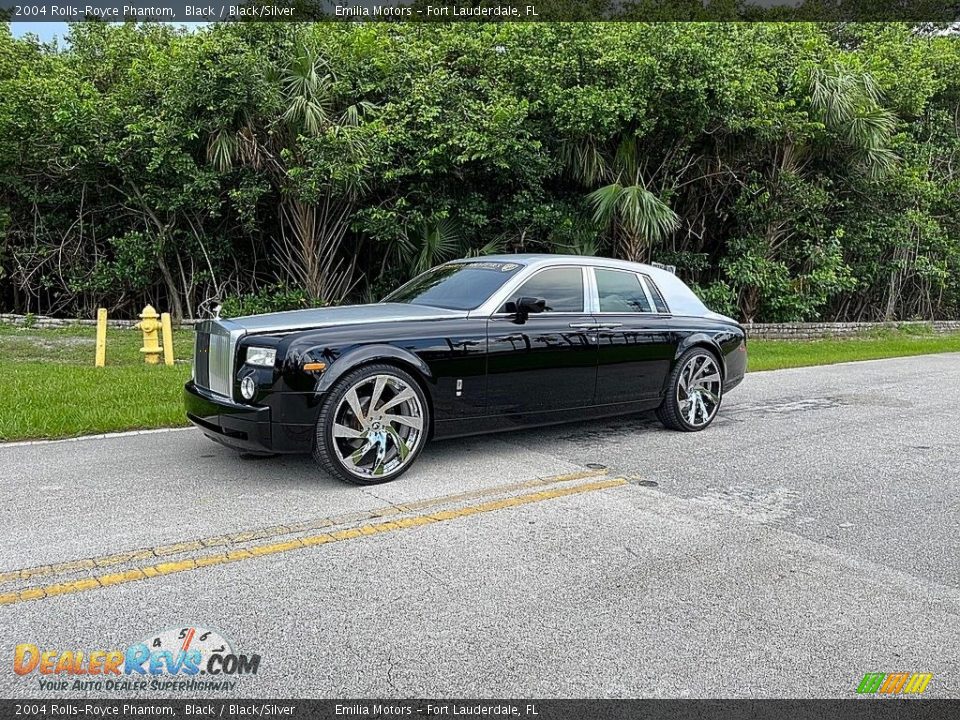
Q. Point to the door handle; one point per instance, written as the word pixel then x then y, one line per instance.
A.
pixel 595 326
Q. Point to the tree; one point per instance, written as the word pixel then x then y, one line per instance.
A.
pixel 789 170
pixel 315 151
pixel 639 218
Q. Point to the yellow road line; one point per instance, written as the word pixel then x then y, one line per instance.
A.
pixel 127 556
pixel 168 568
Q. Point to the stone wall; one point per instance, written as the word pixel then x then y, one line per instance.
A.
pixel 807 331
pixel 42 321
pixel 769 331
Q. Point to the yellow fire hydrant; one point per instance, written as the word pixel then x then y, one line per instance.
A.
pixel 150 325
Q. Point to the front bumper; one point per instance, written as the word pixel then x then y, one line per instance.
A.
pixel 243 427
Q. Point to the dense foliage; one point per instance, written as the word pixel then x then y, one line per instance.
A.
pixel 790 171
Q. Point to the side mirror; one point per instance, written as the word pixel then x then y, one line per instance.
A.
pixel 524 306
pixel 529 305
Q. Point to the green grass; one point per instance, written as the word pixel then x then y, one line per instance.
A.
pixel 46 400
pixel 779 354
pixel 76 345
pixel 53 390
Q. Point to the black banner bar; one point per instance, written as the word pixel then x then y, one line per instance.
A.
pixel 853 709
pixel 916 11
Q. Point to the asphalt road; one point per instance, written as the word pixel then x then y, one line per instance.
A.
pixel 808 537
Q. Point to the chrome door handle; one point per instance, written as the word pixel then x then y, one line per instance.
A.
pixel 595 326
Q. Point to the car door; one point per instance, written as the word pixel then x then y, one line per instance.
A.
pixel 636 341
pixel 547 361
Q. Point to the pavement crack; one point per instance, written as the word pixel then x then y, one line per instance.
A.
pixel 389 503
pixel 391 667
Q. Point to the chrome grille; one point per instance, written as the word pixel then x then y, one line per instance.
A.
pixel 220 364
pixel 213 358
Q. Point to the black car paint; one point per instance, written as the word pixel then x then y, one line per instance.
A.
pixel 514 373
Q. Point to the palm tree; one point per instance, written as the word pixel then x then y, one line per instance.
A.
pixel 312 228
pixel 638 219
pixel 432 243
pixel 849 104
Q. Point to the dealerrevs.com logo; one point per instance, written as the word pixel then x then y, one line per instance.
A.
pixel 899 683
pixel 188 659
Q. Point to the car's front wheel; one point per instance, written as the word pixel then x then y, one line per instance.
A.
pixel 372 426
pixel 694 392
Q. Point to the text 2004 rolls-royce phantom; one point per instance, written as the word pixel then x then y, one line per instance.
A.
pixel 472 346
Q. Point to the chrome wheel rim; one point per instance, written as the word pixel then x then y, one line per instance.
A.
pixel 699 390
pixel 378 426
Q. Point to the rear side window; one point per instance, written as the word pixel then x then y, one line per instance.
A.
pixel 621 292
pixel 562 288
pixel 656 295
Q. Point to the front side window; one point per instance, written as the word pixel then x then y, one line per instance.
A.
pixel 562 288
pixel 621 292
pixel 457 286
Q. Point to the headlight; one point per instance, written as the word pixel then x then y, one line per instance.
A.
pixel 262 356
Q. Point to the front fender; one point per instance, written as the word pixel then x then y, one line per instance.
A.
pixel 371 353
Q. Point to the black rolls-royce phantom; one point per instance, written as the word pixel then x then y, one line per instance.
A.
pixel 472 346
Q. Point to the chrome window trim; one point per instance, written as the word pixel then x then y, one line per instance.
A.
pixel 649 283
pixel 543 314
pixel 646 291
pixel 594 292
pixel 491 307
pixel 585 279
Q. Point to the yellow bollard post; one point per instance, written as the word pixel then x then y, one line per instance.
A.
pixel 150 326
pixel 167 339
pixel 101 359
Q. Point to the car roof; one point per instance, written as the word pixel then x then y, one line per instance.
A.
pixel 557 259
pixel 659 275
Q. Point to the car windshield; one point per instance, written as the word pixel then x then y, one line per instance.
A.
pixel 458 286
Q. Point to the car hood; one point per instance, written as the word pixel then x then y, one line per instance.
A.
pixel 341 315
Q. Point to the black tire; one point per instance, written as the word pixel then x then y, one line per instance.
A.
pixel 325 451
pixel 660 416
pixel 669 413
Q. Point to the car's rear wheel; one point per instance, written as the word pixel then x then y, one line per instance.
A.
pixel 372 426
pixel 694 393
